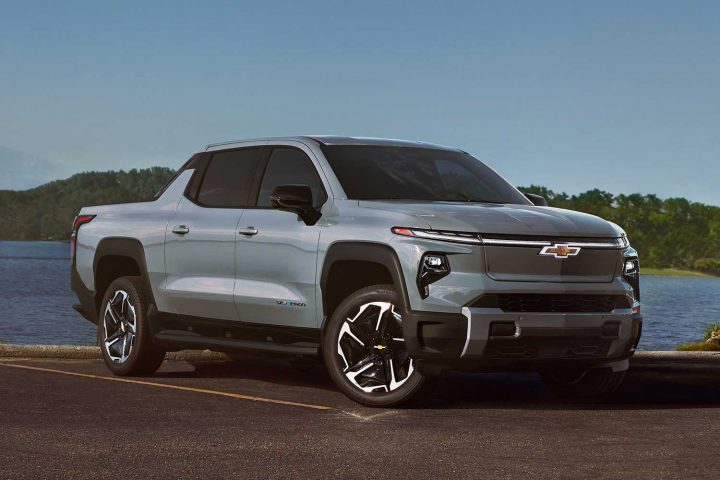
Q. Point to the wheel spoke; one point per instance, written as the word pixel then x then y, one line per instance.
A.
pixel 124 302
pixel 360 364
pixel 114 337
pixel 113 314
pixel 346 330
pixel 369 378
pixel 123 355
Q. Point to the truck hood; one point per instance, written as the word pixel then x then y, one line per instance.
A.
pixel 501 219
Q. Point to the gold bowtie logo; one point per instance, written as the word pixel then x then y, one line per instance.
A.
pixel 560 250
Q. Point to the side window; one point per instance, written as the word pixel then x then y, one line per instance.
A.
pixel 229 178
pixel 288 166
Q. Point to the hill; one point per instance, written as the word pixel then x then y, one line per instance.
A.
pixel 46 212
pixel 669 233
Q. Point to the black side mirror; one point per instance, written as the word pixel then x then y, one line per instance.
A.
pixel 297 199
pixel 537 199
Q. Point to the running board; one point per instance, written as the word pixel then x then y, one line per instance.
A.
pixel 189 339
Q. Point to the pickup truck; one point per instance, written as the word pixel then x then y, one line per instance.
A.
pixel 391 261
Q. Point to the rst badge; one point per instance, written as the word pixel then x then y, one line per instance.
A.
pixel 560 250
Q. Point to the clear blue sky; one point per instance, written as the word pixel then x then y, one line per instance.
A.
pixel 624 96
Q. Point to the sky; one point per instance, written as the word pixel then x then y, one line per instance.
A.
pixel 622 96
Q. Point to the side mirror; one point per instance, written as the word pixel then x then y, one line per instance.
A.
pixel 537 199
pixel 297 199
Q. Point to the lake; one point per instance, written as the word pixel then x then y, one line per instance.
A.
pixel 36 301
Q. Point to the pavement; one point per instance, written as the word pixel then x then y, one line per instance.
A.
pixel 260 418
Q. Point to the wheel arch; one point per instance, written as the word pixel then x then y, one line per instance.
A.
pixel 372 258
pixel 117 257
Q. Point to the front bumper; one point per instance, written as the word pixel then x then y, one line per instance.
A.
pixel 481 338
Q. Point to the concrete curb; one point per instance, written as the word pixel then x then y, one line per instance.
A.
pixel 67 352
pixel 685 357
pixel 698 362
pixel 688 361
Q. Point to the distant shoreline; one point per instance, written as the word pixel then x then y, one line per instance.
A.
pixel 60 240
pixel 666 272
pixel 673 272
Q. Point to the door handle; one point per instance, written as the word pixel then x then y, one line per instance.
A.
pixel 181 229
pixel 248 231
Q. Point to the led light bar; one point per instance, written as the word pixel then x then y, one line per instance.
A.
pixel 477 239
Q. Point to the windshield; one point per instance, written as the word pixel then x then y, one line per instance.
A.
pixel 370 172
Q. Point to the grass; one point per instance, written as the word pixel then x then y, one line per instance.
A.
pixel 700 347
pixel 710 343
pixel 672 272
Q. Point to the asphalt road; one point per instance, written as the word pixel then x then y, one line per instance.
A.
pixel 265 419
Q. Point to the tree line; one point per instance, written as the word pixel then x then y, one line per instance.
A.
pixel 674 232
pixel 46 212
pixel 667 233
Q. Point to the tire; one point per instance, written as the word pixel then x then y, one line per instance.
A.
pixel 124 334
pixel 583 384
pixel 371 365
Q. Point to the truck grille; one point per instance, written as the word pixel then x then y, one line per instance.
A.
pixel 556 303
pixel 531 348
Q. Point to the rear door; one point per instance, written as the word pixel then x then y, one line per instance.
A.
pixel 276 252
pixel 200 237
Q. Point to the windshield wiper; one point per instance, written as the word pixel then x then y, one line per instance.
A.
pixel 470 198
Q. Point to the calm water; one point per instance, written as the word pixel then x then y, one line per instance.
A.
pixel 36 301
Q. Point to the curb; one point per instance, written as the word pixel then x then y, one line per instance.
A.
pixel 707 362
pixel 67 352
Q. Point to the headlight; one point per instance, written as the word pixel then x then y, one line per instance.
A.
pixel 631 272
pixel 433 267
pixel 631 268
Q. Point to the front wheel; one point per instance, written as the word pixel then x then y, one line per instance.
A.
pixel 365 353
pixel 583 383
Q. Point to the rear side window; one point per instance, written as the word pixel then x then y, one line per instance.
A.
pixel 288 166
pixel 229 177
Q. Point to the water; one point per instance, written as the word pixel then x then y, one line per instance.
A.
pixel 36 301
pixel 35 296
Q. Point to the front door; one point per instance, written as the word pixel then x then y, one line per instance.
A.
pixel 276 254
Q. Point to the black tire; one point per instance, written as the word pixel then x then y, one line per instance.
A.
pixel 583 384
pixel 382 355
pixel 142 357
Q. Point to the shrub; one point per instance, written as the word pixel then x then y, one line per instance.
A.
pixel 710 343
pixel 712 330
pixel 707 265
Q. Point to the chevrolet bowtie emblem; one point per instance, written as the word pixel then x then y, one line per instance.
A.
pixel 560 251
pixel 380 347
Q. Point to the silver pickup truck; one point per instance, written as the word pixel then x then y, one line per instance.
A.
pixel 392 261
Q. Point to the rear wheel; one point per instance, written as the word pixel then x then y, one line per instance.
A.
pixel 583 383
pixel 365 353
pixel 123 331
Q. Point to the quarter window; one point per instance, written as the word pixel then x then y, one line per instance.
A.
pixel 289 166
pixel 229 178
